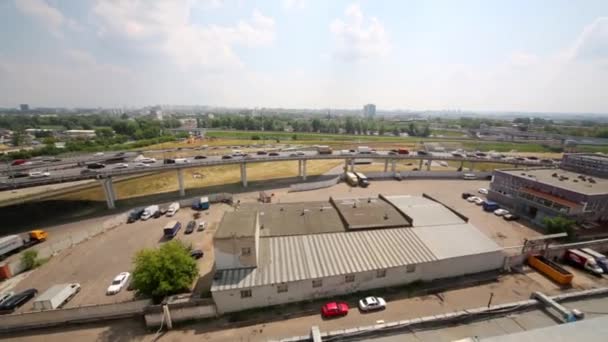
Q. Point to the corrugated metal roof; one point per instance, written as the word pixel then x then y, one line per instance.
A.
pixel 452 241
pixel 292 258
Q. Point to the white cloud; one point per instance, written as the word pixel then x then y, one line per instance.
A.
pixel 49 16
pixel 165 25
pixel 357 38
pixel 522 59
pixel 294 4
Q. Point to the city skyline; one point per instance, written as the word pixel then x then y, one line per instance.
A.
pixel 470 56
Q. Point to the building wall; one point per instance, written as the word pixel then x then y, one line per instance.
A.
pixel 228 253
pixel 230 300
pixel 584 164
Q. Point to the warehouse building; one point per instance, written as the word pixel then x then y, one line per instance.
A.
pixel 269 254
pixel 549 192
pixel 587 163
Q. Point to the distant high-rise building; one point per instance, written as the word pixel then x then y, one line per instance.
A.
pixel 24 107
pixel 369 110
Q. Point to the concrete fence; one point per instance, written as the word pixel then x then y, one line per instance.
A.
pixel 314 185
pixel 83 314
pixel 181 312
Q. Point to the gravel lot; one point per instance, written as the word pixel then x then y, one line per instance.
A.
pixel 95 262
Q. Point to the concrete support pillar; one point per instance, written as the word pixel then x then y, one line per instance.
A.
pixel 385 165
pixel 180 182
pixel 345 166
pixel 167 317
pixel 244 174
pixel 352 165
pixel 472 166
pixel 462 165
pixel 393 166
pixel 420 166
pixel 108 190
pixel 304 169
pixel 428 165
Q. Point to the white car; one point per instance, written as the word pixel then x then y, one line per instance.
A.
pixel 121 166
pixel 472 198
pixel 99 154
pixel 482 191
pixel 372 303
pixel 39 174
pixel 478 201
pixel 148 160
pixel 202 225
pixel 501 212
pixel 118 283
pixel 141 165
pixel 5 296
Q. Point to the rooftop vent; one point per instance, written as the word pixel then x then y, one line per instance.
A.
pixel 554 175
pixel 591 180
pixel 575 180
pixel 282 208
pixel 385 216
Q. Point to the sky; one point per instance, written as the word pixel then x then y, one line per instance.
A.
pixel 511 55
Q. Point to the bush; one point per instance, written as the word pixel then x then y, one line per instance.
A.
pixel 255 137
pixel 30 259
pixel 164 271
pixel 559 224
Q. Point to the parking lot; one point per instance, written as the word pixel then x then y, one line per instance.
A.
pixel 94 263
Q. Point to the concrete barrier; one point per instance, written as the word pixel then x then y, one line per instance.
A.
pixel 314 185
pixel 83 314
pixel 182 312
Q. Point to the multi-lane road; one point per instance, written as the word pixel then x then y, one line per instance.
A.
pixel 69 170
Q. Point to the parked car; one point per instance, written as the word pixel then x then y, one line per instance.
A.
pixel 226 157
pixel 190 227
pixel 510 217
pixel 334 309
pixel 196 254
pixel 372 303
pixel 466 195
pixel 118 283
pixel 501 212
pixel 39 174
pixel 5 296
pixel 472 198
pixel 202 225
pixel 135 215
pixel 17 300
pixel 482 191
pixel 478 201
pixel 200 157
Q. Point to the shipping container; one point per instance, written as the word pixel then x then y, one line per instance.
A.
pixel 550 269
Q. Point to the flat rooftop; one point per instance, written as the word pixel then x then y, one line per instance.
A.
pixel 237 224
pixel 573 183
pixel 368 213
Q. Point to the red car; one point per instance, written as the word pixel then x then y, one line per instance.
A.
pixel 334 309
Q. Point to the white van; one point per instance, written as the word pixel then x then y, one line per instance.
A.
pixel 173 208
pixel 149 212
pixel 181 161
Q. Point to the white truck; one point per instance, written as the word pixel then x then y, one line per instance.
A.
pixel 149 212
pixel 10 243
pixel 56 296
pixel 352 179
pixel 364 150
pixel 173 208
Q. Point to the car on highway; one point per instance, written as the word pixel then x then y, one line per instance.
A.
pixel 38 174
pixel 261 153
pixel 482 191
pixel 273 154
pixel 372 304
pixel 118 283
pixel 17 162
pixel 293 154
pixel 18 175
pixel 334 309
pixel 196 254
pixel 121 166
pixel 190 227
pixel 17 300
pixel 422 153
pixel 95 166
pixel 89 172
pixel 510 217
pixel 147 160
pixel 202 225
pixel 200 157
pixel 501 212
pixel 98 154
pixel 141 165
pixel 226 157
pixel 300 153
pixel 6 295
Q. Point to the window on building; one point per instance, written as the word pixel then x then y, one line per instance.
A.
pixel 410 268
pixel 380 273
pixel 317 283
pixel 246 251
pixel 281 288
pixel 245 293
pixel 349 278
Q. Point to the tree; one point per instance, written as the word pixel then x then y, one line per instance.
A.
pixel 30 259
pixel 164 271
pixel 559 224
pixel 104 133
pixel 18 138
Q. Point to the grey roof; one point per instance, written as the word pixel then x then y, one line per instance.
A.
pixel 237 224
pixel 452 241
pixel 52 292
pixel 545 176
pixel 368 213
pixel 423 211
pixel 292 258
pixel 588 330
pixel 299 218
